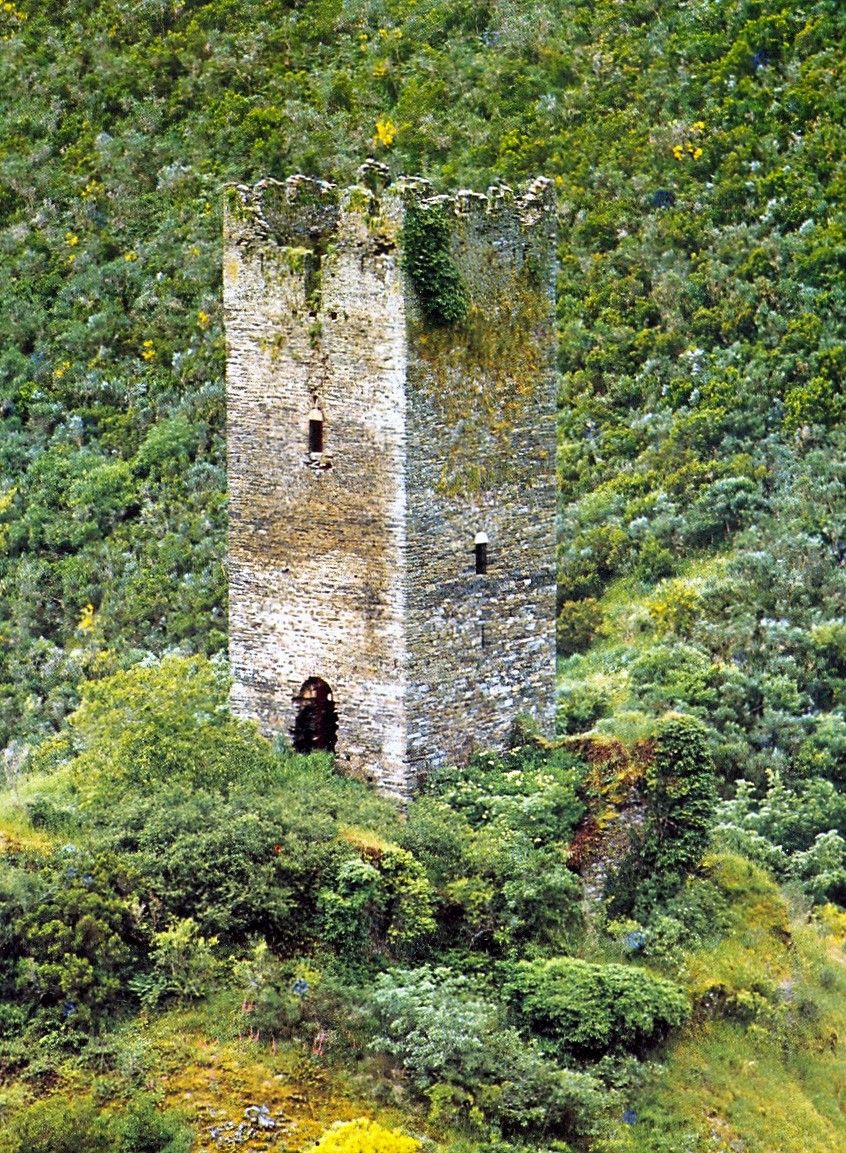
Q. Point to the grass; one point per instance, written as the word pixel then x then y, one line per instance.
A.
pixel 762 1068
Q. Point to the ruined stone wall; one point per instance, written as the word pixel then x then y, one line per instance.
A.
pixel 481 458
pixel 315 314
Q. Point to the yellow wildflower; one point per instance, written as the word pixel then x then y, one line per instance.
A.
pixel 380 69
pixel 364 1136
pixel 71 239
pixel 386 131
pixel 678 151
pixel 60 369
pixel 697 152
pixel 148 350
pixel 203 319
pixel 699 125
pixel 86 620
pixel 130 256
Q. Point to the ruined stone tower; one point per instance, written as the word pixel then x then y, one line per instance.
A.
pixel 391 413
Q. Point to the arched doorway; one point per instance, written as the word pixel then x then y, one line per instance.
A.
pixel 316 724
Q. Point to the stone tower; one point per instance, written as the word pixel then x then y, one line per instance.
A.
pixel 391 415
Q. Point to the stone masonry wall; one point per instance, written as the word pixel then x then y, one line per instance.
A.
pixel 315 315
pixel 357 566
pixel 481 458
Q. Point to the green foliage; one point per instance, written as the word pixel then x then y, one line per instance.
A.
pixel 61 1124
pixel 492 836
pixel 369 903
pixel 57 1125
pixel 577 625
pixel 701 299
pixel 580 705
pixel 164 723
pixel 795 832
pixel 585 1010
pixel 183 965
pixel 680 797
pixel 77 941
pixel 430 266
pixel 457 1048
pixel 680 792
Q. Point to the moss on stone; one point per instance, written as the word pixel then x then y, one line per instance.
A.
pixel 483 376
pixel 431 268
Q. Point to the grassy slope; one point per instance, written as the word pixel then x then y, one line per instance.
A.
pixel 775 1081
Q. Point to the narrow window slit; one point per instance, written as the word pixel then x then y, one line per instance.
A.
pixel 481 548
pixel 315 431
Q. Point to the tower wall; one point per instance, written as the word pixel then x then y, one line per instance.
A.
pixel 315 315
pixel 481 459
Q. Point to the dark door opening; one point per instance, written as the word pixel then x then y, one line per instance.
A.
pixel 316 725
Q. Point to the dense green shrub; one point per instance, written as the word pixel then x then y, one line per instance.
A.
pixel 429 263
pixel 63 1124
pixel 579 706
pixel 585 1010
pixel 795 832
pixel 577 625
pixel 151 726
pixel 387 899
pixel 182 965
pixel 493 838
pixel 456 1047
pixel 681 799
pixel 78 940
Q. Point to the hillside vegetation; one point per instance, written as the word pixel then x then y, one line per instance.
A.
pixel 193 919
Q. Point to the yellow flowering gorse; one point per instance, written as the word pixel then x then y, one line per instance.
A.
pixel 386 131
pixel 364 1136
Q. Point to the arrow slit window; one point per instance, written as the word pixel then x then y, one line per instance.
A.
pixel 481 549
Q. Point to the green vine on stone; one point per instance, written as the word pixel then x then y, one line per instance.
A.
pixel 429 263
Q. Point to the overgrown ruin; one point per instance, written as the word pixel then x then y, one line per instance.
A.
pixel 391 422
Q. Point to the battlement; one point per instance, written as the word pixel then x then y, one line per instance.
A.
pixel 391 403
pixel 303 209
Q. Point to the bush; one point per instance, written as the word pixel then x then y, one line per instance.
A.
pixel 580 706
pixel 587 1010
pixel 57 1125
pixel 183 964
pixel 577 625
pixel 675 607
pixel 458 1049
pixel 364 1136
pixel 61 1124
pixel 212 859
pixel 79 941
pixel 150 726
pixel 492 836
pixel 386 898
pixel 681 800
